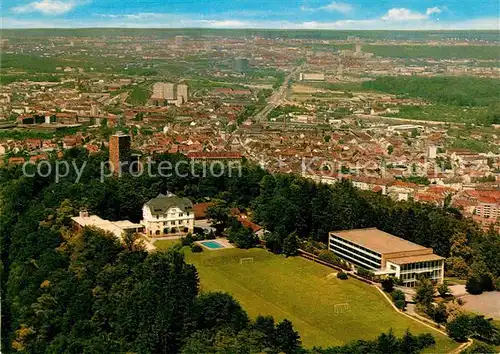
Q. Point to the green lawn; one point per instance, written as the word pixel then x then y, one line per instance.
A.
pixel 455 281
pixel 166 244
pixel 299 290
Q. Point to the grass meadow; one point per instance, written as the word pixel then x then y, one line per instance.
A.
pixel 306 293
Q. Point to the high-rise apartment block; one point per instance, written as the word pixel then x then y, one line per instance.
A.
pixel 166 91
pixel 182 94
pixel 119 151
pixel 163 91
pixel 241 65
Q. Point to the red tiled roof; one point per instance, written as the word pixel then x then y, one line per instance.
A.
pixel 200 210
pixel 247 223
pixel 399 183
pixel 16 160
pixel 214 155
pixel 487 200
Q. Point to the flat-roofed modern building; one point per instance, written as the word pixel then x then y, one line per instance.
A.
pixel 386 254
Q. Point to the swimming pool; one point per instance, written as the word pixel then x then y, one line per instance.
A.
pixel 212 244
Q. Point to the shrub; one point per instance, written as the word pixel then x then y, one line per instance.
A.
pixel 398 297
pixel 195 248
pixel 365 273
pixel 426 340
pixel 400 304
pixel 330 257
pixel 342 275
pixel 474 285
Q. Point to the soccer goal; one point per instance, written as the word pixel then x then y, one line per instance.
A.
pixel 341 308
pixel 246 260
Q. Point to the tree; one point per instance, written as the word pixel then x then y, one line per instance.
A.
pixel 484 328
pixel 286 339
pixel 242 237
pixel 409 344
pixel 219 215
pixel 388 285
pixel 390 149
pixel 443 289
pixel 265 325
pixel 274 241
pixel 131 240
pixel 387 343
pixel 460 328
pixel 199 342
pixel 291 245
pixel 217 310
pixel 439 313
pixel 424 292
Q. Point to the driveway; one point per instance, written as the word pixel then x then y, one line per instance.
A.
pixel 487 304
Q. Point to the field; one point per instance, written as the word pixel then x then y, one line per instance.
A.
pixel 166 244
pixel 299 290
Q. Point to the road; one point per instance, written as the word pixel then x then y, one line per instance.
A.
pixel 276 98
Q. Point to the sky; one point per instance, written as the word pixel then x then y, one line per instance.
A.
pixel 281 14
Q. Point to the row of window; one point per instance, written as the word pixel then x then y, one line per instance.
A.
pixel 413 276
pixel 421 265
pixel 173 223
pixel 173 230
pixel 179 215
pixel 357 250
pixel 343 252
pixel 353 261
pixel 336 238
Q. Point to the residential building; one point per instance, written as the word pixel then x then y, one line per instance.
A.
pixel 168 215
pixel 386 254
pixel 163 91
pixel 182 94
pixel 241 65
pixel 215 156
pixel 312 77
pixel 488 207
pixel 119 151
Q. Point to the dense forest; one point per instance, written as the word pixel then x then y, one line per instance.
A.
pixel 457 91
pixel 85 292
pixel 450 95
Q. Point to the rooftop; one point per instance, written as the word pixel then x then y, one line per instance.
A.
pixel 378 241
pixel 414 259
pixel 161 204
pixel 115 227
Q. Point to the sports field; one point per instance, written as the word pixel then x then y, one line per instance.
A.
pixel 303 292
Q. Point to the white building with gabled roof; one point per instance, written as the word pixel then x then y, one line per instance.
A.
pixel 168 215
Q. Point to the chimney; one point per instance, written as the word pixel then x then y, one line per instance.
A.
pixel 84 214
